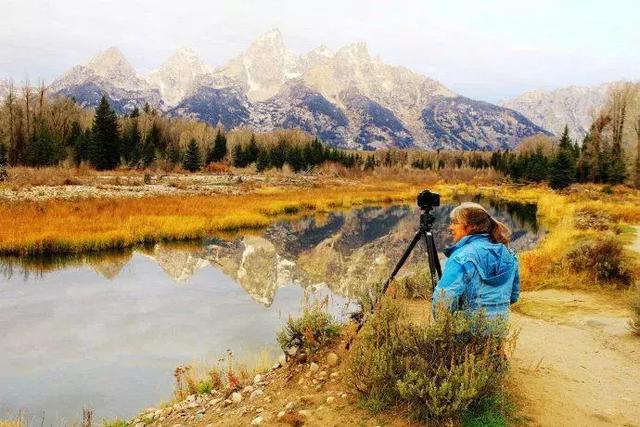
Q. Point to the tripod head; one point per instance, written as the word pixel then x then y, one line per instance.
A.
pixel 426 201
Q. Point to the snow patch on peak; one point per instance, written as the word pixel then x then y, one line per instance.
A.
pixel 178 76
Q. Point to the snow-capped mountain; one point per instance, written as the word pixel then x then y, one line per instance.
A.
pixel 111 74
pixel 575 106
pixel 178 76
pixel 347 98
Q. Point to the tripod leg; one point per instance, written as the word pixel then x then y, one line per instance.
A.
pixel 432 256
pixel 405 255
pixel 436 261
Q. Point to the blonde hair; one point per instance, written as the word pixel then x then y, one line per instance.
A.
pixel 478 221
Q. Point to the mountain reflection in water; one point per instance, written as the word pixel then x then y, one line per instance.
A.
pixel 344 251
pixel 107 329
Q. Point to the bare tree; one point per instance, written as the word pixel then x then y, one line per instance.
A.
pixel 10 102
pixel 26 91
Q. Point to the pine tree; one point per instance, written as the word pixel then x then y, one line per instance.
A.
pixel 587 165
pixel 263 161
pixel 130 146
pixel 251 152
pixel 81 147
pixel 238 156
pixel 562 171
pixel 4 161
pixel 219 150
pixel 192 158
pixel 44 149
pixel 104 147
pixel 148 154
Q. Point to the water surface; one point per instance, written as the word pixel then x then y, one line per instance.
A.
pixel 107 330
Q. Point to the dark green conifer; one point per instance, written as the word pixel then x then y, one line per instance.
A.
pixel 263 161
pixel 219 149
pixel 562 171
pixel 104 147
pixel 192 158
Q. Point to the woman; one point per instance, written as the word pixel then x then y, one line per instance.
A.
pixel 481 273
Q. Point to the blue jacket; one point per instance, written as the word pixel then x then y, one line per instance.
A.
pixel 479 274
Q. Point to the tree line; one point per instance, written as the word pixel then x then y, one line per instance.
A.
pixel 599 159
pixel 37 131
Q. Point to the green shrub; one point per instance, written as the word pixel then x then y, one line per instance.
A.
pixel 436 370
pixel 114 423
pixel 310 332
pixel 416 285
pixel 634 323
pixel 603 258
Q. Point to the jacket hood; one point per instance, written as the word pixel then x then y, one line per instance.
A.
pixel 494 261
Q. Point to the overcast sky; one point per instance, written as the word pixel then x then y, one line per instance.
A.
pixel 489 49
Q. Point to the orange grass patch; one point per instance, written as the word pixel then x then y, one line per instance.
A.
pixel 58 226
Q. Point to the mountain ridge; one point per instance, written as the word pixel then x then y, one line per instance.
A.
pixel 347 97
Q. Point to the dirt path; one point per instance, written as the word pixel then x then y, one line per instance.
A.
pixel 576 363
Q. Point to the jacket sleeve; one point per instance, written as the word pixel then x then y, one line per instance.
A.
pixel 515 288
pixel 451 285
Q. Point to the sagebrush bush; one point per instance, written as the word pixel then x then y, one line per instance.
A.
pixel 316 328
pixel 589 219
pixel 436 370
pixel 604 258
pixel 634 323
pixel 416 285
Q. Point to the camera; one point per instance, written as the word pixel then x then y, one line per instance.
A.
pixel 428 200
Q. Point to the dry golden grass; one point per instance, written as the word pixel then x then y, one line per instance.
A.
pixel 544 266
pixel 57 226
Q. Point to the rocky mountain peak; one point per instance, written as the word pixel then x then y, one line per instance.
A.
pixel 264 67
pixel 355 52
pixel 113 66
pixel 177 76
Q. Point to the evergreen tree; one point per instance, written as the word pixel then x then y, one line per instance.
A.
pixel 4 160
pixel 148 154
pixel 154 137
pixel 74 132
pixel 263 162
pixel 192 158
pixel 219 150
pixel 251 152
pixel 562 171
pixel 130 146
pixel 104 147
pixel 237 156
pixel 173 153
pixel 587 165
pixel 81 147
pixel 278 154
pixel 44 150
pixel 618 169
pixel 603 172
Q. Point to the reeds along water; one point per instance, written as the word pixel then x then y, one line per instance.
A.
pixel 61 226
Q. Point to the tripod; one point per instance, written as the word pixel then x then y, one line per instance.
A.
pixel 426 222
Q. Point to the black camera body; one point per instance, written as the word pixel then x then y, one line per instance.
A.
pixel 428 200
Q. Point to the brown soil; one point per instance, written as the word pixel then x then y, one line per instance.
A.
pixel 294 395
pixel 576 363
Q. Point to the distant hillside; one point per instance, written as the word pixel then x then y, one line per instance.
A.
pixel 574 106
